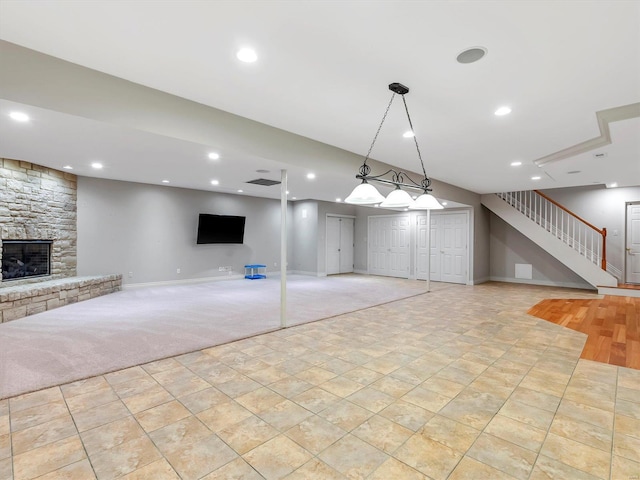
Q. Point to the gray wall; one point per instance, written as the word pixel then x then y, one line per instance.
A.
pixel 602 207
pixel 305 240
pixel 508 247
pixel 150 231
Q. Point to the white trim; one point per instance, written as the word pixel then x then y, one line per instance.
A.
pixel 309 274
pixel 619 292
pixel 326 243
pixel 406 215
pixel 467 211
pixel 478 281
pixel 545 283
pixel 186 281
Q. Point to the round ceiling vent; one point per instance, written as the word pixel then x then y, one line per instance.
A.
pixel 471 55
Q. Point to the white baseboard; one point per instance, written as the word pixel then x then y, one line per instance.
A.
pixel 478 281
pixel 309 274
pixel 545 283
pixel 619 292
pixel 361 272
pixel 186 281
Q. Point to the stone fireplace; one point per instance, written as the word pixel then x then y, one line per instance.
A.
pixel 38 235
pixel 37 212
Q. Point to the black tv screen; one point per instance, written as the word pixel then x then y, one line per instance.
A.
pixel 220 229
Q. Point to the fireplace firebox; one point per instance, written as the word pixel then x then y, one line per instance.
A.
pixel 25 259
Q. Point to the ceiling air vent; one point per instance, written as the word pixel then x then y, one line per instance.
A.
pixel 600 155
pixel 264 182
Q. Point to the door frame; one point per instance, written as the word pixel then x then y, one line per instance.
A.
pixel 326 242
pixel 467 212
pixel 411 236
pixel 626 239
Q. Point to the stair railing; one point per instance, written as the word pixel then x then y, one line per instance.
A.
pixel 588 240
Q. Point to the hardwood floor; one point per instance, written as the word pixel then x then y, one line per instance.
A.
pixel 611 323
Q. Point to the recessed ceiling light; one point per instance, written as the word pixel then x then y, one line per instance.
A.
pixel 165 181
pixel 96 165
pixel 612 185
pixel 68 167
pixel 376 206
pixel 215 182
pixel 240 191
pixel 536 178
pixel 503 111
pixel 516 164
pixel 19 116
pixel 338 200
pixel 294 198
pixel 287 192
pixel 408 134
pixel 214 156
pixel 311 176
pixel 471 55
pixel 247 55
pixel 443 203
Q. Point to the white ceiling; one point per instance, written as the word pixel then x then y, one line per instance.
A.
pixel 322 73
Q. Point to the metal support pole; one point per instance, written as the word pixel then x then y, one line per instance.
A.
pixel 428 250
pixel 283 248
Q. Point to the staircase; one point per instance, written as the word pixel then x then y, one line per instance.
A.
pixel 577 244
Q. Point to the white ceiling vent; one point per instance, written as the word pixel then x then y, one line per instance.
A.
pixel 600 155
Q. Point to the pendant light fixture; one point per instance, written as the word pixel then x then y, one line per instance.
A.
pixel 367 194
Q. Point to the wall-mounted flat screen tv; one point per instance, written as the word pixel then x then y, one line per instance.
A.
pixel 220 229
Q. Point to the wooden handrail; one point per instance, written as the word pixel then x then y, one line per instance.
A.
pixel 602 231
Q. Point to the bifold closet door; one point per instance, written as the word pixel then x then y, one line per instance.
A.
pixel 389 246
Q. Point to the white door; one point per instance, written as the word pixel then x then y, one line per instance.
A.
pixel 389 246
pixel 422 247
pixel 339 245
pixel 378 245
pixel 454 248
pixel 346 245
pixel 399 247
pixel 633 244
pixel 333 245
pixel 448 257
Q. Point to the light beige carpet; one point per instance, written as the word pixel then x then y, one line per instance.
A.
pixel 138 326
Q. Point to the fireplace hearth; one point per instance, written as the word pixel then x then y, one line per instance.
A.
pixel 25 259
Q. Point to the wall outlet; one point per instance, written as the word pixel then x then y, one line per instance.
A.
pixel 130 274
pixel 177 270
pixel 221 269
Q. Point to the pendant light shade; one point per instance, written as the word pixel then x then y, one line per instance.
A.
pixel 364 194
pixel 397 199
pixel 426 201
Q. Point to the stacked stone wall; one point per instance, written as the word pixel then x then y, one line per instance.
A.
pixel 18 301
pixel 39 203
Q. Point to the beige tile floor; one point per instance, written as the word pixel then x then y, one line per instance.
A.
pixel 454 384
